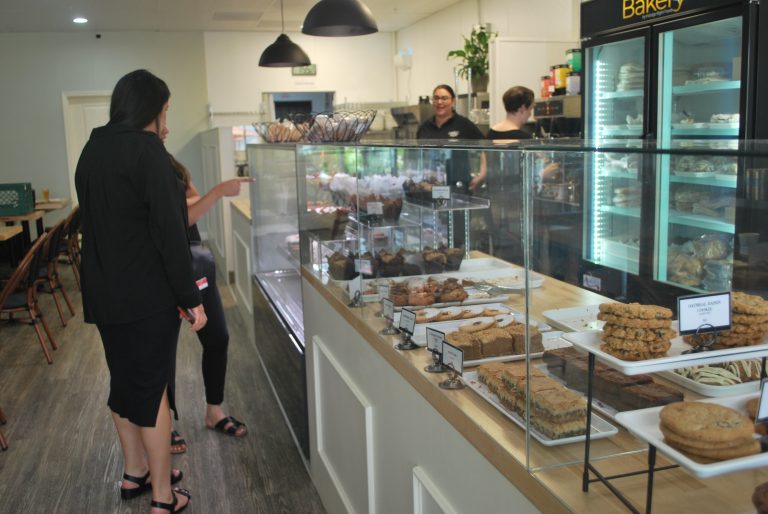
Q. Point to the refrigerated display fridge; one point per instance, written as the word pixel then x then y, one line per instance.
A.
pixel 683 74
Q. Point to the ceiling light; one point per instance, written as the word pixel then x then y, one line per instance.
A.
pixel 283 53
pixel 80 19
pixel 339 18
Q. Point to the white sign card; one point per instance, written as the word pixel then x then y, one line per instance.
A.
pixel 407 321
pixel 762 406
pixel 364 266
pixel 453 357
pixel 441 192
pixel 383 290
pixel 704 313
pixel 387 309
pixel 435 340
pixel 354 287
pixel 375 208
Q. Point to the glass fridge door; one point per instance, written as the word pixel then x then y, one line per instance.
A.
pixel 615 100
pixel 698 107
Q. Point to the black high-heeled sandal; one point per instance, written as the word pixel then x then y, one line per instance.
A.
pixel 144 486
pixel 171 507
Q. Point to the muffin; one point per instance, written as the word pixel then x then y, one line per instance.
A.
pixel 390 264
pixel 434 261
pixel 413 263
pixel 453 256
pixel 341 267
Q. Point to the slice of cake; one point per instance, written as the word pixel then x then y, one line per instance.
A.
pixel 608 384
pixel 643 396
pixel 467 342
pixel 494 342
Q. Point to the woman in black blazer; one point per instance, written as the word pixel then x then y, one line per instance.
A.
pixel 136 272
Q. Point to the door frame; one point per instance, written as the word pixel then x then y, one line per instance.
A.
pixel 74 141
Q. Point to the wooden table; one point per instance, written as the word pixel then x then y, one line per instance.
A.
pixel 52 204
pixel 24 219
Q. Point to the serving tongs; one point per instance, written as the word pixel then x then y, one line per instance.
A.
pixel 497 290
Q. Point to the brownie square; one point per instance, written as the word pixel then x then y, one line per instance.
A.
pixel 609 382
pixel 643 396
pixel 575 375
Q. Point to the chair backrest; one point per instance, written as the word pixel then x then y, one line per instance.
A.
pixel 37 259
pixel 20 276
pixel 53 241
pixel 73 222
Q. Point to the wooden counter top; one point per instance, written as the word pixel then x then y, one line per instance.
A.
pixel 549 476
pixel 243 206
pixel 7 233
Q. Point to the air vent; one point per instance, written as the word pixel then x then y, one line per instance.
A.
pixel 236 16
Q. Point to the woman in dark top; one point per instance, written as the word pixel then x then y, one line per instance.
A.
pixel 518 103
pixel 136 272
pixel 214 337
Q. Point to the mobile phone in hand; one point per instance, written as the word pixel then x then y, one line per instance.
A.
pixel 187 314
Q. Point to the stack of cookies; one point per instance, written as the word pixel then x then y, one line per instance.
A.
pixel 708 431
pixel 635 332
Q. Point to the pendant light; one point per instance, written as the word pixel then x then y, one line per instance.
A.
pixel 283 53
pixel 339 18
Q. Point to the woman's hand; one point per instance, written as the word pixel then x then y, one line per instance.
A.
pixel 200 318
pixel 232 187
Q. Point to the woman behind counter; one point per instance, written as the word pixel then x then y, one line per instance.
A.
pixel 136 272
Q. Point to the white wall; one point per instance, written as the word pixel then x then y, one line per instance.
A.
pixel 432 38
pixel 38 67
pixel 358 69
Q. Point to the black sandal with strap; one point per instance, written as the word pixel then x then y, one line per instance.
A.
pixel 171 507
pixel 177 440
pixel 233 428
pixel 144 486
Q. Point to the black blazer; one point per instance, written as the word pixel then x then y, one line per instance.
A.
pixel 135 256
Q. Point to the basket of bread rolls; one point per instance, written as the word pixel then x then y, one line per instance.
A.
pixel 284 131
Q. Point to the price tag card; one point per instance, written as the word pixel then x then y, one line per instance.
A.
pixel 704 313
pixel 387 309
pixel 354 287
pixel 375 208
pixel 762 406
pixel 453 357
pixel 441 192
pixel 364 266
pixel 435 340
pixel 407 321
pixel 399 238
pixel 383 291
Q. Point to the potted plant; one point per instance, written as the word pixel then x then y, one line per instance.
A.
pixel 474 57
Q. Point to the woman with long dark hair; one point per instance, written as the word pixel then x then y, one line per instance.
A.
pixel 136 274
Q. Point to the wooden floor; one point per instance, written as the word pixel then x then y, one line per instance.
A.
pixel 64 456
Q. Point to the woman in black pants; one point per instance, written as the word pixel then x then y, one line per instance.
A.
pixel 214 336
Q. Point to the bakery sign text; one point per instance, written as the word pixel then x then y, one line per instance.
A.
pixel 646 9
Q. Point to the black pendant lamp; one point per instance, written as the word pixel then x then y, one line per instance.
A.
pixel 283 53
pixel 339 18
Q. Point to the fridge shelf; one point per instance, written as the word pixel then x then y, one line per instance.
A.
pixel 631 212
pixel 714 180
pixel 699 221
pixel 629 174
pixel 706 130
pixel 632 93
pixel 712 87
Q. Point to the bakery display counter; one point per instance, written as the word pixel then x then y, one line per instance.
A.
pixel 549 476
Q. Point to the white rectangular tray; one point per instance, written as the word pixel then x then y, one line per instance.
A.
pixel 575 319
pixel 500 306
pixel 420 331
pixel 599 430
pixel 645 425
pixel 590 342
pixel 713 391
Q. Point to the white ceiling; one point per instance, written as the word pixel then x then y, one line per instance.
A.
pixel 190 15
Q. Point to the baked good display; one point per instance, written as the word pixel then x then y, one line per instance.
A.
pixel 708 430
pixel 341 267
pixel 389 264
pixel 635 332
pixel 485 338
pixel 610 386
pixel 760 498
pixel 749 323
pixel 453 257
pixel 427 315
pixel 434 260
pixel 724 374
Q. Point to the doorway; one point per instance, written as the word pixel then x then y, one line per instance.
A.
pixel 83 112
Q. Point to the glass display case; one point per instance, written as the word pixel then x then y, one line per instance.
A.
pixel 560 377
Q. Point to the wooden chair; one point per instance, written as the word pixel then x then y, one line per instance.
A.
pixel 48 275
pixel 72 247
pixel 19 294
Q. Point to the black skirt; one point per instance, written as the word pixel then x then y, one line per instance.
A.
pixel 141 357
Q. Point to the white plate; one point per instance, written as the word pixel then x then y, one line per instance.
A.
pixel 590 342
pixel 713 391
pixel 575 319
pixel 600 427
pixel 645 425
pixel 420 331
